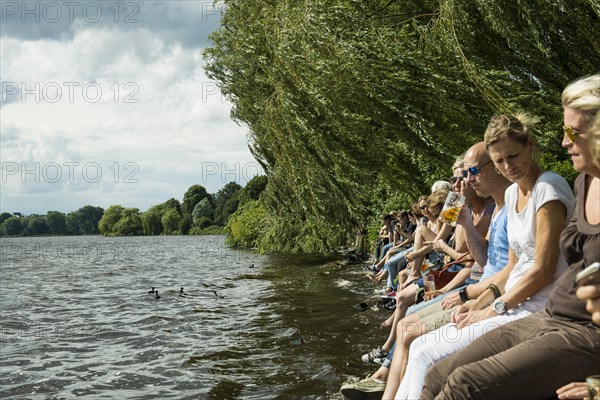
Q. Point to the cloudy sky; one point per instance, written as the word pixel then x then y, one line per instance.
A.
pixel 107 102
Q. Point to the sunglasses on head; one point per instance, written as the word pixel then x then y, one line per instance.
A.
pixel 453 179
pixel 474 170
pixel 571 133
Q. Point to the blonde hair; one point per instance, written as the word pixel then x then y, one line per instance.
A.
pixel 437 199
pixel 595 141
pixel 583 95
pixel 518 127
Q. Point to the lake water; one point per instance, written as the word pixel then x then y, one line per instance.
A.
pixel 77 320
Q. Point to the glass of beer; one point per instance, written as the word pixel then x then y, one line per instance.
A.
pixel 429 284
pixel 452 206
pixel 593 383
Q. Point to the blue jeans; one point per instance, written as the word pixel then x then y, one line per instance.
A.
pixel 395 264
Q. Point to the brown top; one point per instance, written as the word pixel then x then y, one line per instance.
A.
pixel 580 244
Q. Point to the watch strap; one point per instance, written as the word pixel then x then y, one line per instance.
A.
pixel 463 294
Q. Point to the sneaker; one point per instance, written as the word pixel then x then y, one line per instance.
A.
pixel 376 353
pixel 390 295
pixel 366 389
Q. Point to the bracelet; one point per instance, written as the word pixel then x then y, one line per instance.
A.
pixel 495 290
pixel 463 294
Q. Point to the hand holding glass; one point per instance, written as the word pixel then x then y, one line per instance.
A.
pixel 452 206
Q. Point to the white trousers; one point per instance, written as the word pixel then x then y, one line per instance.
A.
pixel 441 343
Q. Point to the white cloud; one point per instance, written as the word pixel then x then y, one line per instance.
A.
pixel 157 126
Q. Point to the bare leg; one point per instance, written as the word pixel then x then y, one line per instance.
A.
pixel 408 330
pixel 404 299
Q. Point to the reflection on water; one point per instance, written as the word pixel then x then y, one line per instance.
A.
pixel 77 320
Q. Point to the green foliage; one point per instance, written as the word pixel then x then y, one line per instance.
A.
pixel 12 226
pixel 192 197
pixel 151 222
pixel 344 96
pixel 226 202
pixel 253 188
pixel 245 226
pixel 4 216
pixel 203 211
pixel 185 224
pixel 84 221
pixel 57 222
pixel 109 220
pixel 36 226
pixel 170 222
pixel 130 223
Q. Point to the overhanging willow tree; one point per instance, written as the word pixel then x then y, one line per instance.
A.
pixel 344 97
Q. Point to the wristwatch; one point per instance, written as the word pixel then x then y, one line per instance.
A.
pixel 463 294
pixel 499 306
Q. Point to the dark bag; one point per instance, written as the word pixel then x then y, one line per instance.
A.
pixel 444 275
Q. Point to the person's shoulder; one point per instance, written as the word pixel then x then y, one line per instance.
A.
pixel 552 178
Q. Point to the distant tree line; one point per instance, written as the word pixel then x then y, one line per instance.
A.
pixel 199 213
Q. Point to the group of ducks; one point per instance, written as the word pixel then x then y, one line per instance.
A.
pixel 181 292
pixel 154 291
pixel 217 296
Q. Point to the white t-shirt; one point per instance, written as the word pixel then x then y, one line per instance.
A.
pixel 521 231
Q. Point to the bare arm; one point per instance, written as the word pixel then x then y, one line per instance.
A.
pixel 476 242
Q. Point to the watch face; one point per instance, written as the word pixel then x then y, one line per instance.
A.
pixel 500 306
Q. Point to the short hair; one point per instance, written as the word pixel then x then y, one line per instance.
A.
pixel 437 199
pixel 583 95
pixel 403 214
pixel 437 185
pixel 388 217
pixel 518 127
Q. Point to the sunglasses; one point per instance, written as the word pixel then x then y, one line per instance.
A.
pixel 571 133
pixel 474 170
pixel 423 207
pixel 454 179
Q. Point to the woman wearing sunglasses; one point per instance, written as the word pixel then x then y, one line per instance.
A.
pixel 532 357
pixel 539 204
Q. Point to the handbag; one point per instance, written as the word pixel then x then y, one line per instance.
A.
pixel 444 275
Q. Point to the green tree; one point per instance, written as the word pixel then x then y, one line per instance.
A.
pixel 36 226
pixel 253 188
pixel 192 197
pixel 57 223
pixel 4 216
pixel 170 221
pixel 151 222
pixel 109 220
pixel 129 224
pixel 343 97
pixel 203 209
pixel 226 202
pixel 185 224
pixel 72 223
pixel 12 226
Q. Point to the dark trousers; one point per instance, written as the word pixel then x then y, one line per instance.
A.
pixel 525 359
